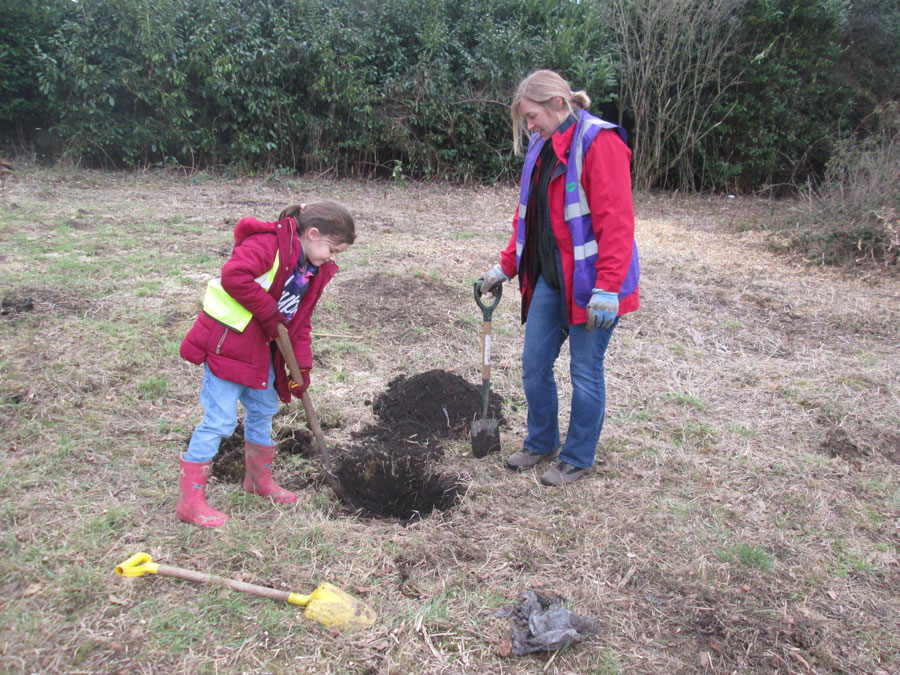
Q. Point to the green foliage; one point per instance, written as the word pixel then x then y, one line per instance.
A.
pixel 348 86
pixel 789 108
pixel 870 64
pixel 21 106
pixel 749 556
pixel 421 88
pixel 172 81
pixel 153 387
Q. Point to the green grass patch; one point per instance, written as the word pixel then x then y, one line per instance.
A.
pixel 747 555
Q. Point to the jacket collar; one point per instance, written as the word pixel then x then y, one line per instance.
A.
pixel 562 137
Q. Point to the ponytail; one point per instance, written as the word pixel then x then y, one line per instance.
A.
pixel 540 87
pixel 329 217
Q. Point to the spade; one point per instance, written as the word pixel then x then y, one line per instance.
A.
pixel 486 432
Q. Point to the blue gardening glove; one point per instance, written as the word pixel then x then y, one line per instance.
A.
pixel 491 278
pixel 602 309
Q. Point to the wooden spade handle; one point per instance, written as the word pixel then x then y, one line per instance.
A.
pixel 141 563
pixel 284 344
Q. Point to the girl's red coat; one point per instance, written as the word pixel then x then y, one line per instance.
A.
pixel 244 357
pixel 606 178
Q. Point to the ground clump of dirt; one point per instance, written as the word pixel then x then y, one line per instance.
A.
pixel 296 442
pixel 839 444
pixel 434 404
pixel 16 305
pixel 393 468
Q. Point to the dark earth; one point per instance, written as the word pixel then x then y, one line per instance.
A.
pixel 433 405
pixel 392 469
pixel 16 305
pixel 855 451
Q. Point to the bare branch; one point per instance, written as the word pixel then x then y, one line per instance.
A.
pixel 672 55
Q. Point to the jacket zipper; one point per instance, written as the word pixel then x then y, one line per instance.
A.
pixel 221 340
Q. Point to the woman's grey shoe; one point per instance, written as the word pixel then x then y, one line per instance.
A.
pixel 527 459
pixel 563 474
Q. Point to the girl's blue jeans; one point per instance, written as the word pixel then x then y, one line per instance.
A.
pixel 219 399
pixel 546 328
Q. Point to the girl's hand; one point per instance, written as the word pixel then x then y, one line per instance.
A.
pixel 299 388
pixel 270 324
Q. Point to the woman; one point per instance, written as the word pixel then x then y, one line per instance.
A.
pixel 573 250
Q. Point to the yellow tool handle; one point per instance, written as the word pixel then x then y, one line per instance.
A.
pixel 141 563
pixel 299 599
pixel 136 566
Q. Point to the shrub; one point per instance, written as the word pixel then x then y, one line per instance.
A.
pixel 788 107
pixel 22 107
pixel 726 94
pixel 853 215
pixel 350 86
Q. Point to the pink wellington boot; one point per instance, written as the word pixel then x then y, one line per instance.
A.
pixel 192 507
pixel 258 473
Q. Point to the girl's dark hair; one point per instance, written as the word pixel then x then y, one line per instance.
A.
pixel 329 217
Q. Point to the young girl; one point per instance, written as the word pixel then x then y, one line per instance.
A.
pixel 275 275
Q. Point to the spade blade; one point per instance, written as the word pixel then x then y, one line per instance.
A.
pixel 485 437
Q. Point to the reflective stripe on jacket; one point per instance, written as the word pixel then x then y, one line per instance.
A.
pixel 225 309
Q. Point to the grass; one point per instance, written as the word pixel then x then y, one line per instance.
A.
pixel 743 517
pixel 748 555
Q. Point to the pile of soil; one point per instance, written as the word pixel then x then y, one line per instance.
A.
pixel 16 305
pixel 432 405
pixel 393 468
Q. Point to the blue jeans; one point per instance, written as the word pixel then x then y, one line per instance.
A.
pixel 219 398
pixel 546 328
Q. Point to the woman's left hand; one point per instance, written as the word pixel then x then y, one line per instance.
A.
pixel 602 309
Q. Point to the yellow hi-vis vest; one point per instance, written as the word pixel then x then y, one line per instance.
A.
pixel 225 309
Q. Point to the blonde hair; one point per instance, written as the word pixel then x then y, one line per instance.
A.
pixel 331 218
pixel 541 87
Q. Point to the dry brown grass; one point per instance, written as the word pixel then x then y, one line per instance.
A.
pixel 746 516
